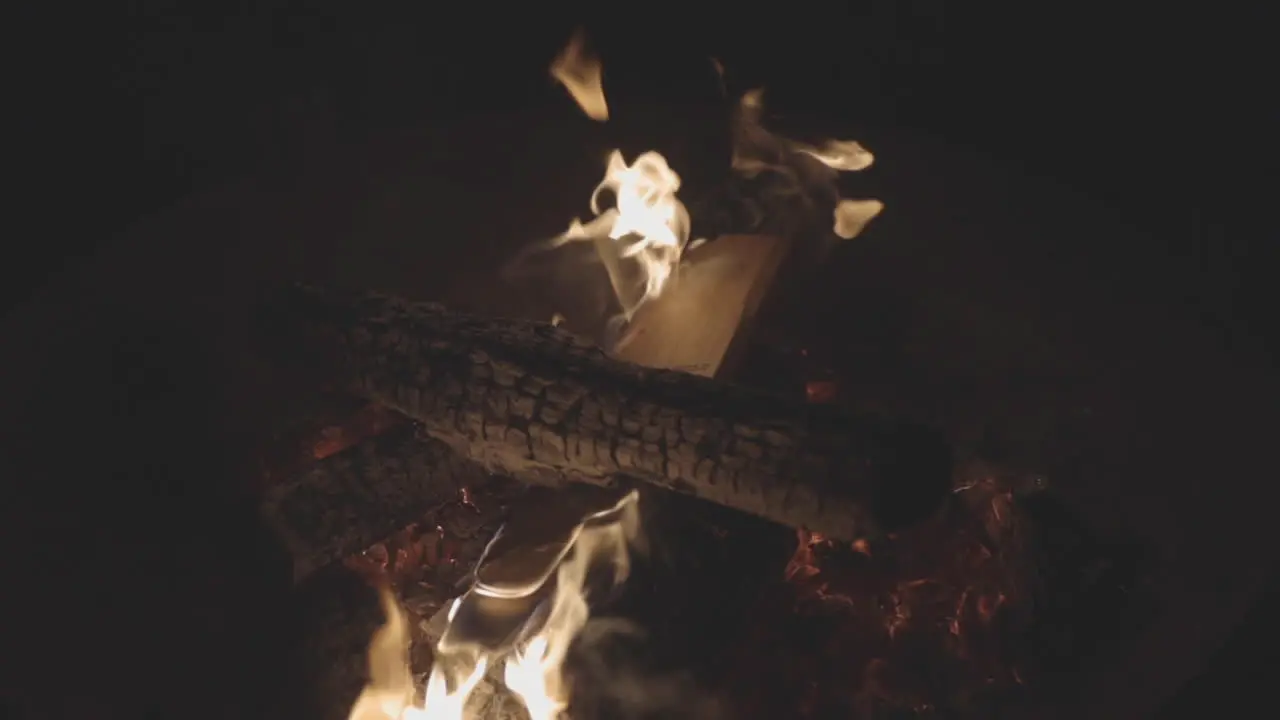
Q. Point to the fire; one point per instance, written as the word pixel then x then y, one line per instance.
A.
pixel 843 155
pixel 526 628
pixel 648 226
pixel 758 150
pixel 950 592
pixel 851 216
pixel 534 671
pixel 582 75
pixel 390 689
pixel 532 663
pixel 641 239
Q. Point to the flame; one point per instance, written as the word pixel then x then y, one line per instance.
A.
pixel 853 215
pixel 581 74
pixel 843 155
pixel 758 150
pixel 450 684
pixel 647 225
pixel 533 669
pixel 533 672
pixel 390 689
pixel 642 238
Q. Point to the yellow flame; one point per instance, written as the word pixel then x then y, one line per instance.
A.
pixel 390 689
pixel 534 670
pixel 843 155
pixel 853 215
pixel 582 75
pixel 648 225
pixel 448 688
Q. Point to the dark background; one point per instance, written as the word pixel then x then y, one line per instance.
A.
pixel 1156 111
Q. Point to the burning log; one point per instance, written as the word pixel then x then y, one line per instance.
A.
pixel 345 503
pixel 538 404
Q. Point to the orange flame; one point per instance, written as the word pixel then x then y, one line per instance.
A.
pixel 582 75
pixel 533 670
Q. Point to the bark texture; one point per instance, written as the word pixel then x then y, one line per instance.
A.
pixel 537 403
pixel 349 501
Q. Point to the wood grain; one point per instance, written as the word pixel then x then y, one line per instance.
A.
pixel 699 322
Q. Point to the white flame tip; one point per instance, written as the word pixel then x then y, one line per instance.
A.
pixel 852 216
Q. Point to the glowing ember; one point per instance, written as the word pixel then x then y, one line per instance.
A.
pixel 947 593
pixel 532 665
pixel 371 420
pixel 821 391
pixel 581 74
pixel 949 590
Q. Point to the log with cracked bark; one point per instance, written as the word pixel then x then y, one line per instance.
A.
pixel 346 502
pixel 536 403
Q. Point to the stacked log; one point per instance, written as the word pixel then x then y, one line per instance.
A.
pixel 540 405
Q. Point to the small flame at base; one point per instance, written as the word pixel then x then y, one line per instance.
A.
pixel 439 702
pixel 534 673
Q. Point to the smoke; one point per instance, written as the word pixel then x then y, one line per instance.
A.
pixel 616 675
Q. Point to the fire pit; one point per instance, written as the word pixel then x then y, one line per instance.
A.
pixel 724 613
pixel 592 521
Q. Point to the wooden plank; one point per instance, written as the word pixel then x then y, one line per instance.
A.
pixel 699 322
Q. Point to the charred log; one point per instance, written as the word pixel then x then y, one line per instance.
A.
pixel 349 501
pixel 539 404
